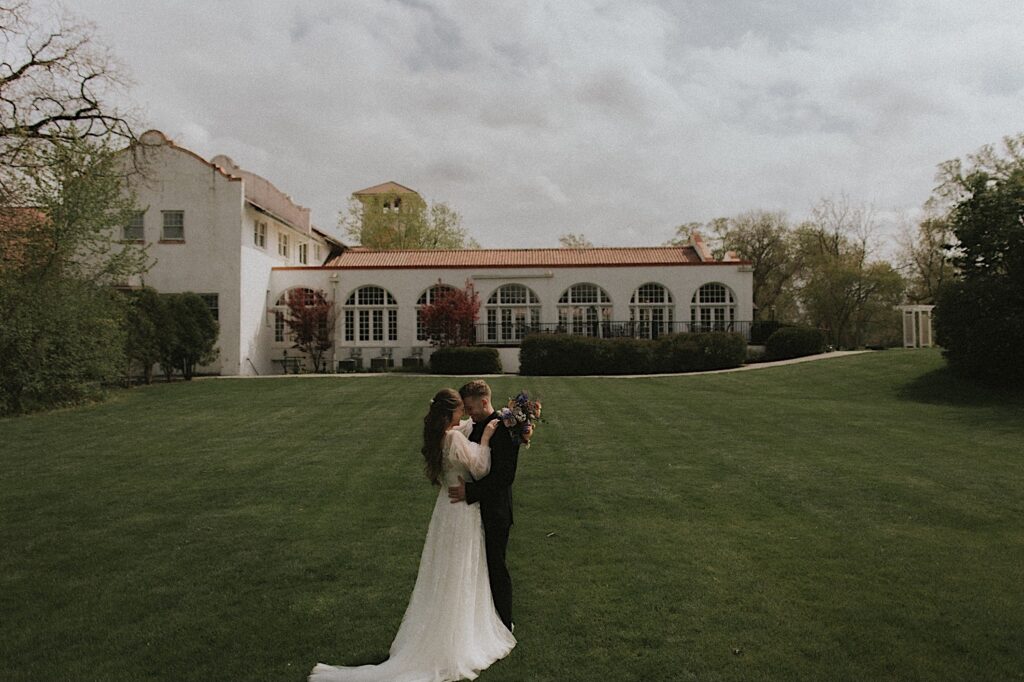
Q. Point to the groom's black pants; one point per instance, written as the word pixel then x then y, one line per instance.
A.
pixel 496 542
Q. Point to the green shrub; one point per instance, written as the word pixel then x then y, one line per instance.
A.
pixel 465 360
pixel 626 356
pixel 566 355
pixel 560 354
pixel 699 352
pixel 61 343
pixel 760 330
pixel 981 328
pixel 794 342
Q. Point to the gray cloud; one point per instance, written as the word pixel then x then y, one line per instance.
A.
pixel 616 120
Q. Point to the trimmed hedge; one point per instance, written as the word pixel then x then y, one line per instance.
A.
pixel 699 352
pixel 465 360
pixel 794 342
pixel 760 330
pixel 563 354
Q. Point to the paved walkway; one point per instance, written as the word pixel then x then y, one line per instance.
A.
pixel 744 368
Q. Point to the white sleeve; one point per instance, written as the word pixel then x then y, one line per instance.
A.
pixel 466 427
pixel 475 457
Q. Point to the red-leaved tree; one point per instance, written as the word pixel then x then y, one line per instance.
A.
pixel 450 320
pixel 310 320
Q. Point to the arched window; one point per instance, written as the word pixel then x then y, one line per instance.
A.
pixel 281 333
pixel 713 308
pixel 371 314
pixel 511 311
pixel 425 299
pixel 651 310
pixel 582 308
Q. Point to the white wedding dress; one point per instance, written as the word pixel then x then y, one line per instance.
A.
pixel 450 630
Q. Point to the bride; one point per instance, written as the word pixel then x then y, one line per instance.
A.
pixel 450 630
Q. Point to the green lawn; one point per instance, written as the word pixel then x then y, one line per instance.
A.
pixel 858 518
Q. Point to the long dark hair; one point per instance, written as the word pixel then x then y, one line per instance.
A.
pixel 442 407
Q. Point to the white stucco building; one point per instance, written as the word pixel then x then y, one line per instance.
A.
pixel 230 235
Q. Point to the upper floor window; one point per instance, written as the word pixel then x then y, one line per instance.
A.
pixel 133 231
pixel 317 254
pixel 259 234
pixel 174 226
pixel 282 244
pixel 304 253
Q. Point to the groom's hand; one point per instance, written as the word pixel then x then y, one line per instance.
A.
pixel 457 493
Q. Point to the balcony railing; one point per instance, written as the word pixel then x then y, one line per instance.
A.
pixel 511 333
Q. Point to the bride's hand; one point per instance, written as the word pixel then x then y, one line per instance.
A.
pixel 489 430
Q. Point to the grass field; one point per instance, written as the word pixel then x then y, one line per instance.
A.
pixel 858 518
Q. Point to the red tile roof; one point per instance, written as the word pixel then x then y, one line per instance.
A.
pixel 359 258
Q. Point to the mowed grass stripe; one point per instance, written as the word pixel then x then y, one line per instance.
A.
pixel 857 518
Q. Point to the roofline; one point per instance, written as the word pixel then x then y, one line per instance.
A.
pixel 174 145
pixel 470 266
pixel 365 191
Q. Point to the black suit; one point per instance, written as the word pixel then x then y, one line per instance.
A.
pixel 494 493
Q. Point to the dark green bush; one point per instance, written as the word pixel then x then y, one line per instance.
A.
pixel 760 330
pixel 794 342
pixel 981 328
pixel 61 343
pixel 699 352
pixel 626 356
pixel 562 354
pixel 465 360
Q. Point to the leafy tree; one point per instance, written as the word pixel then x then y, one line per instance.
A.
pixel 144 323
pixel 404 221
pixel 574 241
pixel 188 334
pixel 78 189
pixel 766 239
pixel 980 315
pixel 451 319
pixel 841 288
pixel 61 342
pixel 310 319
pixel 62 326
pixel 923 257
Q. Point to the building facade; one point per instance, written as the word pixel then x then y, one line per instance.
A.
pixel 233 237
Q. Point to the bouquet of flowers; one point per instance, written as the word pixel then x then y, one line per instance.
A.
pixel 519 417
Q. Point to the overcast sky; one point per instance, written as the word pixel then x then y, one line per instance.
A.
pixel 619 120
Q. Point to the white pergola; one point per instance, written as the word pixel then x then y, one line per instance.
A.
pixel 917 325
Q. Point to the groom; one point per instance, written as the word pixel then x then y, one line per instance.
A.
pixel 493 492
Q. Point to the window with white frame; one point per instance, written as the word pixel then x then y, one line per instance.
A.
pixel 713 308
pixel 173 226
pixel 427 298
pixel 304 253
pixel 259 234
pixel 512 310
pixel 651 310
pixel 212 302
pixel 134 231
pixel 317 254
pixel 582 308
pixel 371 314
pixel 282 244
